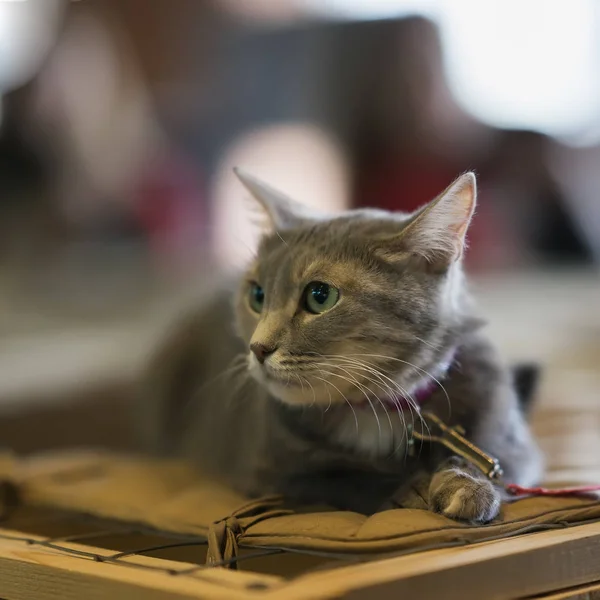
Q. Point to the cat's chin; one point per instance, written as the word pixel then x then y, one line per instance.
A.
pixel 288 389
pixel 307 396
pixel 294 394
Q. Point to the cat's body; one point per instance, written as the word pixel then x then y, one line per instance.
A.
pixel 319 410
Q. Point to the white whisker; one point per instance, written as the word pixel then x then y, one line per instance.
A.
pixel 344 397
pixel 360 387
pixel 437 381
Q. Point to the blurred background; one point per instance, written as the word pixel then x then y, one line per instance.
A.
pixel 120 121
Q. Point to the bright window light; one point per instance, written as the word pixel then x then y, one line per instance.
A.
pixel 531 64
pixel 27 30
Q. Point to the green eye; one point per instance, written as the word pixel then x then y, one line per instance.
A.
pixel 320 297
pixel 256 297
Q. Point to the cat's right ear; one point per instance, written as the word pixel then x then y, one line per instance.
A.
pixel 281 211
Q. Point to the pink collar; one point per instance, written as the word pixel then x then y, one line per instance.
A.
pixel 419 396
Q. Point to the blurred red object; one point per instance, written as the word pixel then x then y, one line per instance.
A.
pixel 170 208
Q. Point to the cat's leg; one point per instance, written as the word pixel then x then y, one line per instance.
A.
pixel 459 491
pixel 508 437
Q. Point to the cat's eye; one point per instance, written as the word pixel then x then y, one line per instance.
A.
pixel 256 297
pixel 320 297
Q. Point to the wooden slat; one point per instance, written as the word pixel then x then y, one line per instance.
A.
pixel 513 568
pixel 33 572
pixel 584 592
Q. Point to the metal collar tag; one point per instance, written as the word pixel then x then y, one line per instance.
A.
pixel 454 439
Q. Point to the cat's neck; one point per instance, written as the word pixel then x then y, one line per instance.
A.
pixel 374 428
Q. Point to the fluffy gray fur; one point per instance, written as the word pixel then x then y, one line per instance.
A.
pixel 317 421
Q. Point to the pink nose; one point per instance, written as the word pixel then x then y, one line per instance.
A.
pixel 261 351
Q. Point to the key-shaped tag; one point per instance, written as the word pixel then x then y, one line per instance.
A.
pixel 453 438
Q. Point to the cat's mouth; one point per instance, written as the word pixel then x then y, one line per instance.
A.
pixel 274 375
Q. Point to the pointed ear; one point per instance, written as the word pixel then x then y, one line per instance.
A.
pixel 281 211
pixel 437 231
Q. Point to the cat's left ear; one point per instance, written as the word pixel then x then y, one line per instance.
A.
pixel 281 211
pixel 437 231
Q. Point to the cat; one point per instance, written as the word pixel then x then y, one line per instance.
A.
pixel 304 376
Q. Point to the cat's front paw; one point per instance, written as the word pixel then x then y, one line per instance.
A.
pixel 465 497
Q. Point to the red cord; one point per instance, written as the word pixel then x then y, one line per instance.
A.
pixel 517 490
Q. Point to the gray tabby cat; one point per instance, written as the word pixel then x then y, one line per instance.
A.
pixel 342 328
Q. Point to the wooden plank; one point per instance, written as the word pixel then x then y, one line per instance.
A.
pixel 513 568
pixel 584 592
pixel 32 572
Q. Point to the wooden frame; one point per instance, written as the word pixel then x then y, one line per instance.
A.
pixel 543 565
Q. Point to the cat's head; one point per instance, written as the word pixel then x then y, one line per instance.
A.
pixel 364 303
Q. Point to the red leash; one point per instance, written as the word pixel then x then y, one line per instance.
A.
pixel 517 490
